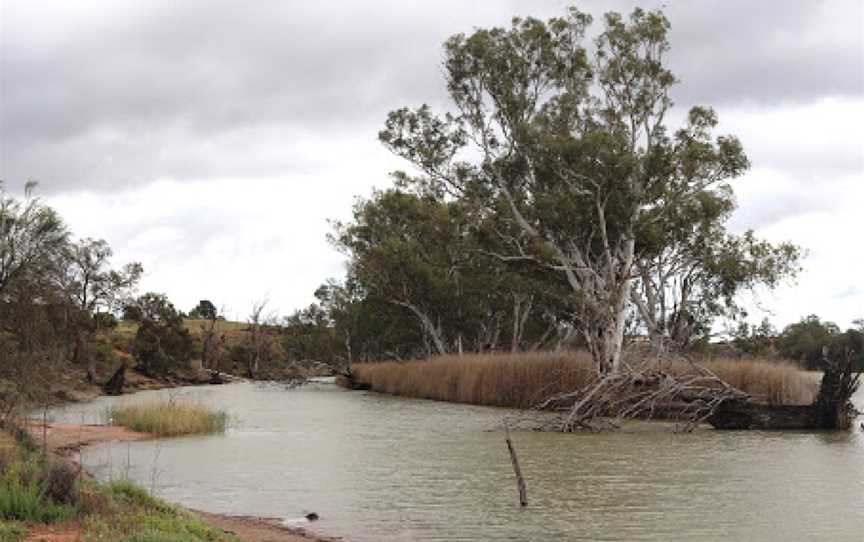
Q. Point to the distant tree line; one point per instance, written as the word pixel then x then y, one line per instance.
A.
pixel 805 342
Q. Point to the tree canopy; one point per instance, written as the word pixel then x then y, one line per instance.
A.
pixel 570 146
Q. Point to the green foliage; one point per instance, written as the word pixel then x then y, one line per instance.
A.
pixel 162 343
pixel 160 536
pixel 105 320
pixel 128 493
pixel 23 498
pixel 807 340
pixel 754 340
pixel 204 310
pixel 564 153
pixel 12 531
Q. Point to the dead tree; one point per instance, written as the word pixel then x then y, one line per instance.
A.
pixel 697 396
pixel 114 386
pixel 832 408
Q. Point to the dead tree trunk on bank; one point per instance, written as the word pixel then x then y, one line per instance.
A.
pixel 699 396
pixel 832 408
pixel 114 386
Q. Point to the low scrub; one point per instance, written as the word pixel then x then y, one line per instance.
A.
pixel 524 379
pixel 169 418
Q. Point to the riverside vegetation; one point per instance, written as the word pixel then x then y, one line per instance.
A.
pixel 554 207
pixel 38 492
pixel 169 418
pixel 523 380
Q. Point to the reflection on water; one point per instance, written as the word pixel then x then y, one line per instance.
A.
pixel 379 468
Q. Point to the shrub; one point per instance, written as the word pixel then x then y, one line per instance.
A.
pixel 170 418
pixel 59 483
pixel 26 502
pixel 12 531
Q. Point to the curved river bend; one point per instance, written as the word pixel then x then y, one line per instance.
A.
pixel 386 469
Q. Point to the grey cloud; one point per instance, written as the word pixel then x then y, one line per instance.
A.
pixel 129 91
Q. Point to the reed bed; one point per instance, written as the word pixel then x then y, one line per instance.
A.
pixel 169 418
pixel 521 380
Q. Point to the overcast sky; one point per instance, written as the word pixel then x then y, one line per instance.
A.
pixel 212 140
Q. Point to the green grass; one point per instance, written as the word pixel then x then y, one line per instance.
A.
pixel 24 489
pixel 169 418
pixel 123 511
pixel 114 512
pixel 12 531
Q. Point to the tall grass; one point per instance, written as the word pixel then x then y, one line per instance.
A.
pixel 169 418
pixel 522 380
pixel 28 488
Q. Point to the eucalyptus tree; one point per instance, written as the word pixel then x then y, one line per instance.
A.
pixel 691 269
pixel 32 236
pixel 573 140
pixel 93 284
pixel 415 251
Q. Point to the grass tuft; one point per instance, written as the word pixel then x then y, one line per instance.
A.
pixel 522 380
pixel 170 418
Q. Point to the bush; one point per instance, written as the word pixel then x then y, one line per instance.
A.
pixel 59 483
pixel 26 502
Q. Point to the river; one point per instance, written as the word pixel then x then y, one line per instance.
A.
pixel 384 469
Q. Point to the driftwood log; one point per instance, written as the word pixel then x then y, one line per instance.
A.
pixel 699 396
pixel 832 408
pixel 115 384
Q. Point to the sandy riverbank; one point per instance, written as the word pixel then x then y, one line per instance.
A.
pixel 65 441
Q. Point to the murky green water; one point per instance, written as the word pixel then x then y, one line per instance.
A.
pixel 385 469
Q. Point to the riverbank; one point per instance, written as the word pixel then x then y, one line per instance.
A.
pixel 522 380
pixel 64 442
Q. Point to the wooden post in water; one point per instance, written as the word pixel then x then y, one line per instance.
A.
pixel 520 481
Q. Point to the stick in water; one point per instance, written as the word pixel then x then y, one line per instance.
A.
pixel 520 481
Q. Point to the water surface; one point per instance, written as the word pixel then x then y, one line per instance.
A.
pixel 386 469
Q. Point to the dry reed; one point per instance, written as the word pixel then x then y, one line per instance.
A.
pixel 522 380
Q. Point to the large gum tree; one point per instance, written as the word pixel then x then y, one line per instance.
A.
pixel 570 138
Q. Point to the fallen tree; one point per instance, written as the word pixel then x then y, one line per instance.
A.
pixel 699 396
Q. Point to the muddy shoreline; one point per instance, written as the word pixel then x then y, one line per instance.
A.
pixel 65 441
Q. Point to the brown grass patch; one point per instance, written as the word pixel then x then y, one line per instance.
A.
pixel 522 380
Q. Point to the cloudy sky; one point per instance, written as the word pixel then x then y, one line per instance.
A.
pixel 212 140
